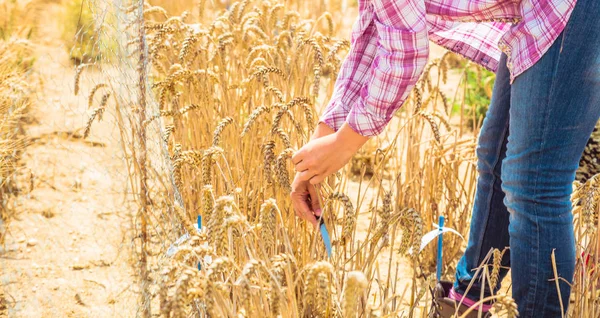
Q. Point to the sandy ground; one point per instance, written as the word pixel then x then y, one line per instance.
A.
pixel 68 248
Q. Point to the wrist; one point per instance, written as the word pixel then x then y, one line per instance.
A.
pixel 322 130
pixel 350 138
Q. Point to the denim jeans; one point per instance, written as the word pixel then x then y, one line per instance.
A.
pixel 529 148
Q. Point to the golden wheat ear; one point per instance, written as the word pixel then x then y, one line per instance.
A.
pixel 354 290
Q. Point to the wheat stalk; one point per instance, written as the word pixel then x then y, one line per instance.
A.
pixel 497 262
pixel 252 118
pixel 356 283
pixel 281 169
pixel 268 213
pixel 220 127
pixel 269 161
pixel 78 71
pixel 349 216
pixel 96 113
pixel 93 92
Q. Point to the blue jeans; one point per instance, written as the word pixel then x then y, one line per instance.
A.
pixel 529 148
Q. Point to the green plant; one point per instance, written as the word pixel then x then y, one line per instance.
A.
pixel 478 84
pixel 86 31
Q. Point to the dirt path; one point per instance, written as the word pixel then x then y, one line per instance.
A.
pixel 68 250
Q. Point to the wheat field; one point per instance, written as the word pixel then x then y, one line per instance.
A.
pixel 208 101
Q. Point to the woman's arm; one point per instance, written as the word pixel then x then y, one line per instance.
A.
pixel 389 51
pixel 354 70
pixel 400 56
pixel 351 78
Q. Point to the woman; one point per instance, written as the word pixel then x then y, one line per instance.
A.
pixel 545 102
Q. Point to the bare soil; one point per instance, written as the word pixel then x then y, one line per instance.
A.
pixel 68 247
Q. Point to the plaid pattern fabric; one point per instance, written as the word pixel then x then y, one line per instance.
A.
pixel 390 47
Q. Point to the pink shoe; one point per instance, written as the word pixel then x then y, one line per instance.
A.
pixel 446 303
pixel 467 301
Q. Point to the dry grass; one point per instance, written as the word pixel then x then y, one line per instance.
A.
pixel 18 19
pixel 586 287
pixel 16 59
pixel 256 78
pixel 235 96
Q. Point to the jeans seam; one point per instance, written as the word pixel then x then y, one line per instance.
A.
pixel 533 291
pixel 533 269
pixel 552 87
pixel 494 179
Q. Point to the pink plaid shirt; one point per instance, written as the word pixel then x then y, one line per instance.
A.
pixel 390 47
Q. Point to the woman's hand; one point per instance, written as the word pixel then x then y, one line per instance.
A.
pixel 304 195
pixel 324 156
pixel 305 200
pixel 326 153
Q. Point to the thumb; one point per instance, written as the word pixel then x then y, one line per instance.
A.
pixel 314 200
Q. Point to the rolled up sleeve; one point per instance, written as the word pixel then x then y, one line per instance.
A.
pixel 355 68
pixel 401 56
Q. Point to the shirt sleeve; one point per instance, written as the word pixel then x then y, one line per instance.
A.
pixel 401 54
pixel 354 69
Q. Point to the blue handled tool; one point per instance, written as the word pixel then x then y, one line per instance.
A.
pixel 199 229
pixel 439 248
pixel 325 236
pixel 322 227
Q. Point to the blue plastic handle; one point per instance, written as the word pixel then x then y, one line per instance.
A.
pixel 325 236
pixel 199 228
pixel 440 249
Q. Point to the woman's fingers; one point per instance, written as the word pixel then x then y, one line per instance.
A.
pixel 317 179
pixel 306 175
pixel 301 166
pixel 303 211
pixel 301 200
pixel 314 200
pixel 298 156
